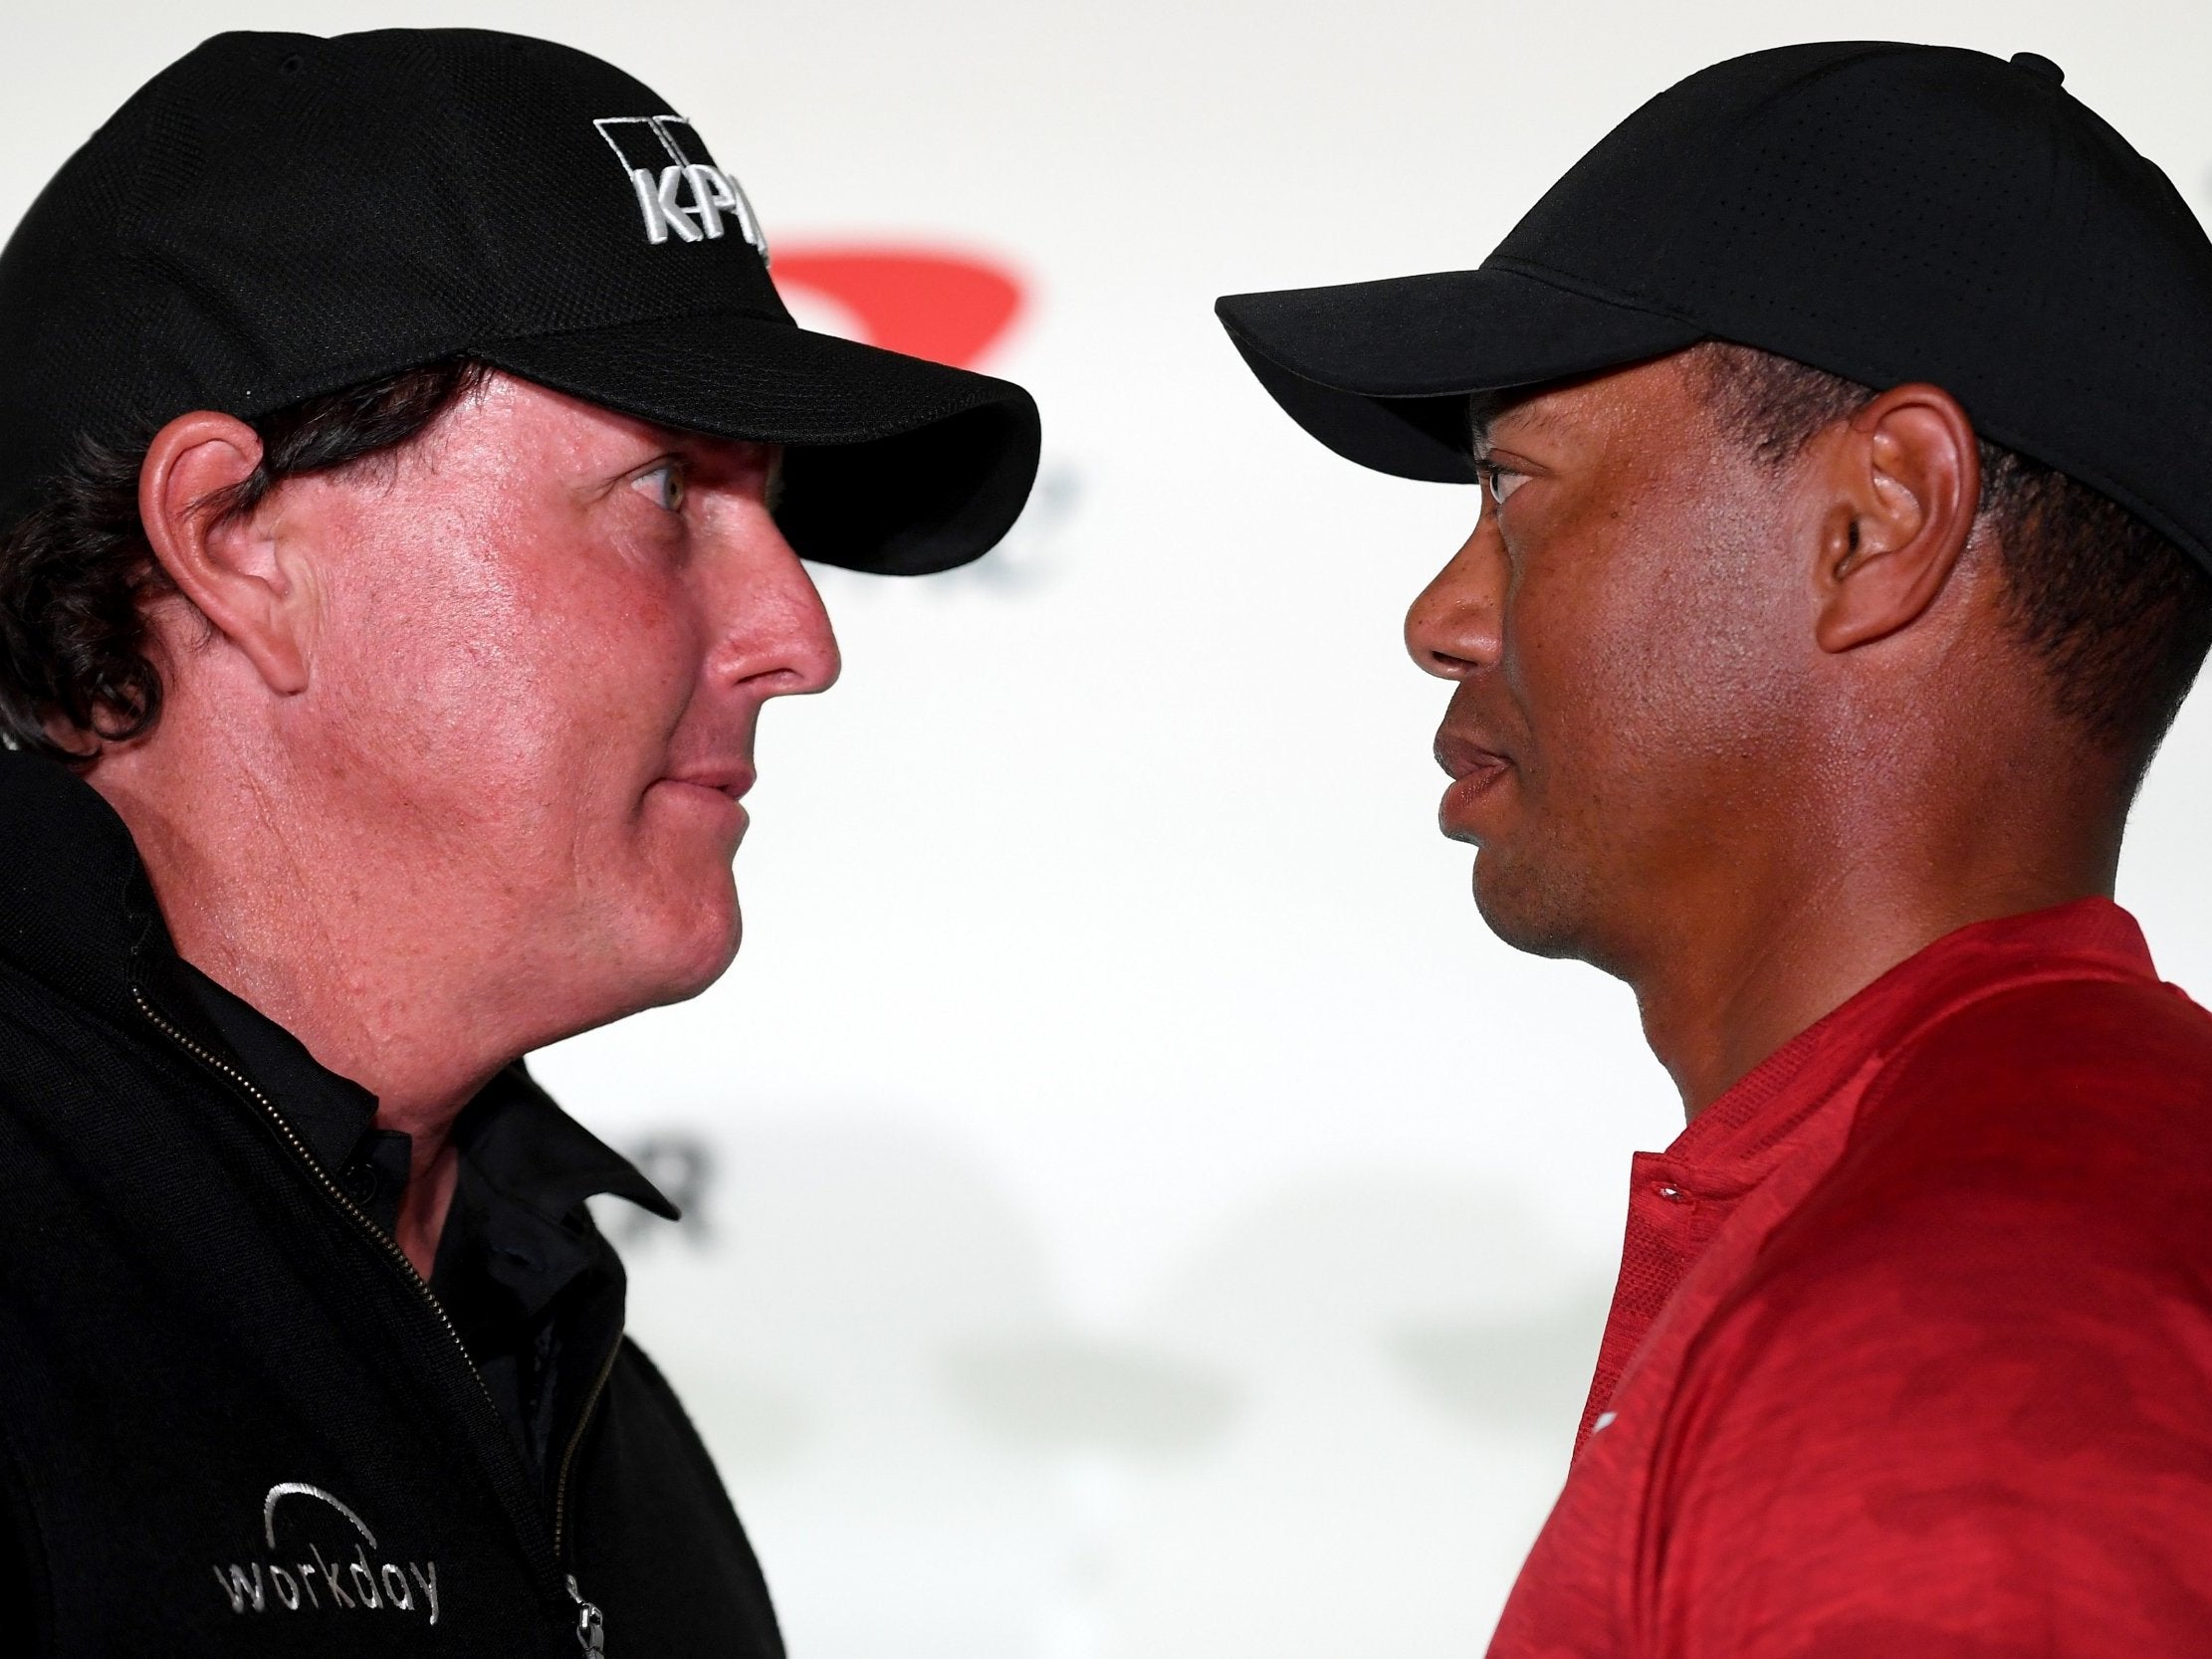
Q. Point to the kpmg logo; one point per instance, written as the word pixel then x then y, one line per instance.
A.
pixel 680 190
pixel 300 1578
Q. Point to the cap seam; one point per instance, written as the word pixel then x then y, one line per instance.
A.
pixel 975 391
pixel 1583 289
pixel 652 314
pixel 478 159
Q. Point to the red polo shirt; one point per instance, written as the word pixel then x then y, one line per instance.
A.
pixel 1912 1352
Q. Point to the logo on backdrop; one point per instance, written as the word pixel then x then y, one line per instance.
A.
pixel 950 308
pixel 303 1578
pixel 680 190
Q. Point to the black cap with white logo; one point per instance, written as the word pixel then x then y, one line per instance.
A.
pixel 274 217
pixel 1885 212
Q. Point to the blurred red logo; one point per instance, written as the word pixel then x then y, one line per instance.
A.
pixel 949 307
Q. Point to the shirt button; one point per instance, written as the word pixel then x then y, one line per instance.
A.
pixel 1670 1192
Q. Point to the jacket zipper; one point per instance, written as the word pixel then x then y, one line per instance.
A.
pixel 269 1110
pixel 575 1439
pixel 590 1623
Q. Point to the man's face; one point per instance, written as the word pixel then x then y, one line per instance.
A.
pixel 544 634
pixel 1625 631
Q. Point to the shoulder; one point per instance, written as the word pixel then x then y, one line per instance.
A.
pixel 649 1438
pixel 2034 1169
pixel 2018 1213
pixel 636 1371
pixel 2012 1245
pixel 1965 1387
pixel 2130 1051
pixel 656 1536
pixel 2060 1124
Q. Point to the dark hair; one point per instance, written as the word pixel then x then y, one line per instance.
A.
pixel 77 574
pixel 2119 617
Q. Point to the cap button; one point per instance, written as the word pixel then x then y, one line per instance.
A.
pixel 2034 63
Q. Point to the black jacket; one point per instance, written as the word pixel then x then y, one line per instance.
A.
pixel 232 1418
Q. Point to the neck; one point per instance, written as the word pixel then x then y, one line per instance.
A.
pixel 1760 956
pixel 303 928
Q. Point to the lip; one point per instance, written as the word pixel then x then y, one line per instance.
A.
pixel 1475 772
pixel 1463 758
pixel 713 792
pixel 732 781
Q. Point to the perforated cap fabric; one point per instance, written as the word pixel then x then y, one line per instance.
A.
pixel 278 215
pixel 1885 212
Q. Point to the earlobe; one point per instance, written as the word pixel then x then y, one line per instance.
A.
pixel 1903 480
pixel 225 563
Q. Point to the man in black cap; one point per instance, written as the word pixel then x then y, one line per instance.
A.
pixel 406 466
pixel 1841 420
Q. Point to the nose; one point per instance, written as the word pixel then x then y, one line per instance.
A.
pixel 1452 627
pixel 774 637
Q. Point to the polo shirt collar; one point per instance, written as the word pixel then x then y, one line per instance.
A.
pixel 1679 1199
pixel 1731 1138
pixel 527 1166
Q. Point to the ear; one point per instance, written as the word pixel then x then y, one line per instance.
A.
pixel 1903 481
pixel 228 567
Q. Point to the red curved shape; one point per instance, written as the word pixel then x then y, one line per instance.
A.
pixel 948 307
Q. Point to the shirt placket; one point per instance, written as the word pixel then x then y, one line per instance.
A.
pixel 1671 1217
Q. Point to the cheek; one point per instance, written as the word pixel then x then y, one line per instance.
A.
pixel 1645 666
pixel 1580 654
pixel 495 670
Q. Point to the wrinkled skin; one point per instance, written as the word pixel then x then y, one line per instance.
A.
pixel 455 738
pixel 546 683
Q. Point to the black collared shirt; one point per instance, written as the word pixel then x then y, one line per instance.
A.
pixel 535 1293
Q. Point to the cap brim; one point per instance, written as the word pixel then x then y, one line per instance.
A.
pixel 1382 372
pixel 893 464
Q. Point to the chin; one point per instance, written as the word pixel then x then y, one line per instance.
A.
pixel 691 951
pixel 1530 909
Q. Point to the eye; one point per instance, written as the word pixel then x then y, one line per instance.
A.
pixel 1498 482
pixel 663 486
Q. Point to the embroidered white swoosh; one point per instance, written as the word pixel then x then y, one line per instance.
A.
pixel 288 1488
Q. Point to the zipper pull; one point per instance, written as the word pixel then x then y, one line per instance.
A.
pixel 592 1624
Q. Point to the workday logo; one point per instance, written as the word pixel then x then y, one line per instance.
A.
pixel 299 1577
pixel 680 190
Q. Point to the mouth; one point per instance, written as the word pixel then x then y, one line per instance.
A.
pixel 731 781
pixel 1464 758
pixel 710 796
pixel 1477 774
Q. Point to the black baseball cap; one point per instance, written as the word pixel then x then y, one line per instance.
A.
pixel 1885 212
pixel 275 216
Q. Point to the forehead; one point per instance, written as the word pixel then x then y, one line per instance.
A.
pixel 1638 400
pixel 519 419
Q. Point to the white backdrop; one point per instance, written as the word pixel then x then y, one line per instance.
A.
pixel 1136 1209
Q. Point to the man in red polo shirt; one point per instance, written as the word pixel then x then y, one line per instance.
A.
pixel 1843 420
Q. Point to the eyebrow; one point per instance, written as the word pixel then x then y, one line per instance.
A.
pixel 1486 409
